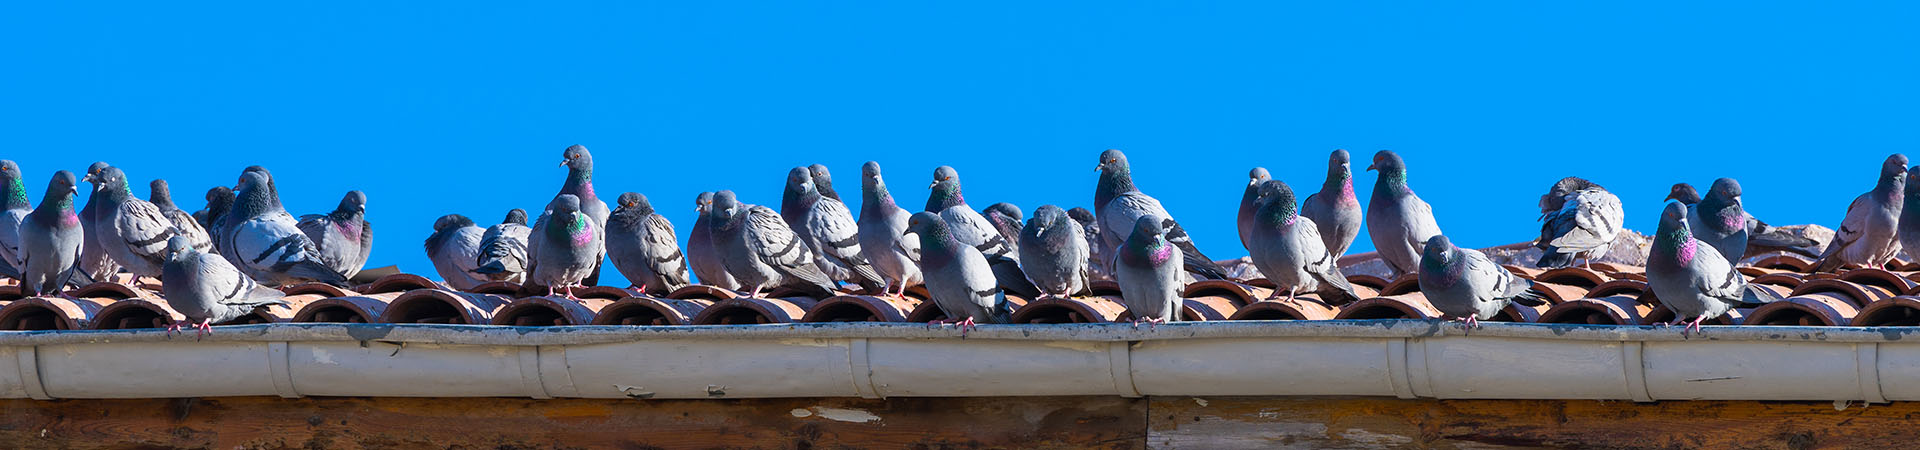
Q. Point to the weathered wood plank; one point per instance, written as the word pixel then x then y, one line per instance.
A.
pixel 396 423
pixel 1268 422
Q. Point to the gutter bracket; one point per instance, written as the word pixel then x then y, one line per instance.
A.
pixel 1120 366
pixel 280 367
pixel 530 373
pixel 1635 367
pixel 29 358
pixel 556 376
pixel 1867 364
pixel 860 369
pixel 1397 373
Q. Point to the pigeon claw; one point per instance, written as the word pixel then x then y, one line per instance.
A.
pixel 204 328
pixel 966 326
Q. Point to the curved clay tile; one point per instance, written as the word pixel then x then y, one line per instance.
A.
pixel 349 309
pixel 651 311
pixel 702 292
pixel 1661 314
pixel 1620 309
pixel 918 291
pixel 502 288
pixel 861 308
pixel 742 311
pixel 399 282
pixel 550 311
pixel 1239 293
pixel 1560 293
pixel 1264 283
pixel 1370 281
pixel 51 313
pixel 1405 284
pixel 1104 288
pixel 116 291
pixel 1300 308
pixel 1209 308
pixel 1893 282
pixel 1785 261
pixel 1612 268
pixel 1822 309
pixel 1523 272
pixel 1635 276
pixel 1068 310
pixel 1573 276
pixel 440 306
pixel 1752 271
pixel 1515 312
pixel 1401 306
pixel 138 312
pixel 321 289
pixel 1856 293
pixel 1902 311
pixel 1633 288
pixel 1784 279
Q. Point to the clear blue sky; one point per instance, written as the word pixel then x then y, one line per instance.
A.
pixel 464 107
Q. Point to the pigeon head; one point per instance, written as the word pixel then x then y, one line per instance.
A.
pixel 1913 188
pixel 822 181
pixel 1048 216
pixel 1438 253
pixel 57 205
pixel 179 248
pixel 1080 214
pixel 564 204
pixel 576 157
pixel 1684 193
pixel 1556 196
pixel 1895 165
pixel 1008 210
pixel 931 229
pixel 944 174
pixel 1149 225
pixel 15 185
pixel 252 197
pixel 1674 216
pixel 634 201
pixel 1146 246
pixel 1724 189
pixel 220 194
pixel 1258 175
pixel 873 190
pixel 1340 158
pixel 111 184
pixel 1387 162
pixel 1277 204
pixel 579 164
pixel 451 221
pixel 1672 241
pixel 870 175
pixel 723 210
pixel 62 183
pixel 800 193
pixel 703 202
pixel 95 169
pixel 353 202
pixel 946 190
pixel 516 215
pixel 1112 161
pixel 158 193
pixel 800 181
pixel 1893 176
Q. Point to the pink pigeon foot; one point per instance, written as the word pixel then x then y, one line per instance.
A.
pixel 205 328
pixel 965 326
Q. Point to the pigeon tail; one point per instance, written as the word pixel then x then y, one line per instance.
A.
pixel 1007 273
pixel 312 270
pixel 1530 297
pixel 1755 295
pixel 491 267
pixel 1553 259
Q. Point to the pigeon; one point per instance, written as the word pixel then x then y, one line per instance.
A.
pixel 1761 238
pixel 1909 231
pixel 1466 286
pixel 94 262
pixel 643 247
pixel 162 197
pixel 503 249
pixel 1287 248
pixel 1578 218
pixel 1118 205
pixel 1148 268
pixel 1335 209
pixel 760 250
pixel 207 289
pixel 1096 253
pixel 882 225
pixel 51 238
pixel 344 236
pixel 1006 219
pixel 823 181
pixel 262 239
pixel 219 200
pixel 828 229
pixel 1693 281
pixel 958 278
pixel 454 249
pixel 1397 220
pixel 1248 203
pixel 1053 253
pixel 971 228
pixel 1866 236
pixel 701 253
pixel 132 231
pixel 570 246
pixel 13 211
pixel 1719 220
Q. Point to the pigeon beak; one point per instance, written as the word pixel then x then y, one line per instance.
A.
pixel 87 178
pixel 934 183
pixel 73 189
pixel 563 162
pixel 1370 167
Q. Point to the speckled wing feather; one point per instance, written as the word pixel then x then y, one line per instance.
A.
pixel 774 243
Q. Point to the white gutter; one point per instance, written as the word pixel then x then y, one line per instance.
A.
pixel 1402 358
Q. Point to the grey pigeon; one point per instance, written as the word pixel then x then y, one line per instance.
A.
pixel 1691 279
pixel 1097 254
pixel 133 232
pixel 1053 253
pixel 1761 238
pixel 643 246
pixel 219 200
pixel 882 226
pixel 454 249
pixel 1335 209
pixel 13 211
pixel 1397 220
pixel 761 251
pixel 570 246
pixel 207 289
pixel 51 237
pixel 1148 267
pixel 701 253
pixel 344 236
pixel 161 197
pixel 1719 220
pixel 1119 204
pixel 1249 202
pixel 1466 286
pixel 579 183
pixel 263 242
pixel 1287 249
pixel 828 229
pixel 1007 220
pixel 958 278
pixel 971 228
pixel 1909 232
pixel 503 249
pixel 1578 219
pixel 823 181
pixel 94 261
pixel 1866 236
